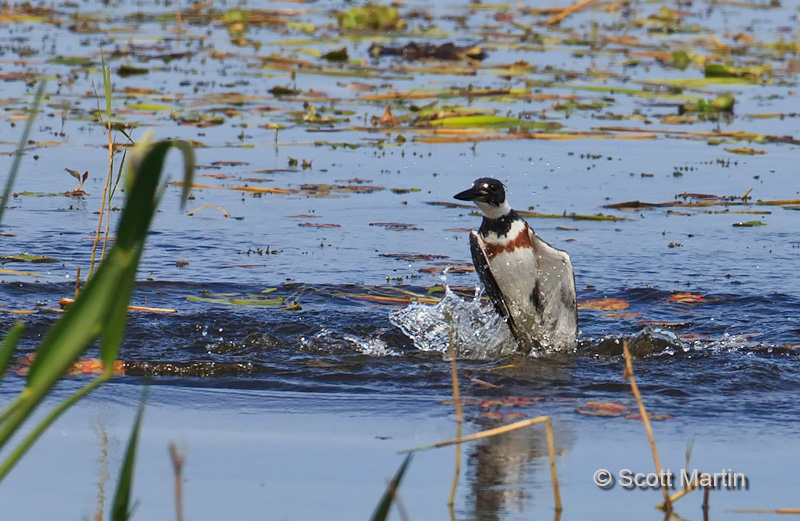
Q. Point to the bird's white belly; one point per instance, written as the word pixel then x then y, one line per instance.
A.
pixel 515 274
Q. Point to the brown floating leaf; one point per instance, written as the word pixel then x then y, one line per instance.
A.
pixel 590 411
pixel 423 51
pixel 608 406
pixel 229 163
pixel 388 120
pixel 413 257
pixel 605 409
pixel 397 226
pixel 319 225
pixel 635 205
pixel 604 304
pixel 339 55
pixel 686 298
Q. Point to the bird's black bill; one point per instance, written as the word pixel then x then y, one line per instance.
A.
pixel 470 195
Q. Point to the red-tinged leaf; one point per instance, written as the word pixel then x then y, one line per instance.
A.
pixel 604 304
pixel 686 298
pixel 650 415
pixel 485 404
pixel 608 406
pixel 590 411
pixel 388 120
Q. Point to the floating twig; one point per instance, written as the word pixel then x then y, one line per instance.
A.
pixel 209 206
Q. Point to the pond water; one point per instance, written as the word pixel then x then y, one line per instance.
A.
pixel 299 413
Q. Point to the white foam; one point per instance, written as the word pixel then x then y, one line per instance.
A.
pixel 477 331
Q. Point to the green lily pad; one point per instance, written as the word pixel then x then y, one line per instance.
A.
pixel 24 257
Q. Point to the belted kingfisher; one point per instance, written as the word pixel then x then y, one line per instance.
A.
pixel 530 283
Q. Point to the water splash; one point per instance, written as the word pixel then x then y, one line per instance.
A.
pixel 478 332
pixel 371 346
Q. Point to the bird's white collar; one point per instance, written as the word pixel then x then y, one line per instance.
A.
pixel 491 211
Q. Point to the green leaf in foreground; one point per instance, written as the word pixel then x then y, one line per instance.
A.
pixel 121 506
pixel 99 311
pixel 9 345
pixel 382 510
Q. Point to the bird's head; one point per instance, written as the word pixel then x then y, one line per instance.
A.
pixel 490 196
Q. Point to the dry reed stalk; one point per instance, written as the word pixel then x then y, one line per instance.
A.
pixel 628 373
pixel 65 302
pixel 679 494
pixel 107 186
pixel 108 201
pixel 577 6
pixel 178 457
pixel 457 404
pixel 77 281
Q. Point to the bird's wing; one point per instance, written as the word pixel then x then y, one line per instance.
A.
pixel 481 262
pixel 556 282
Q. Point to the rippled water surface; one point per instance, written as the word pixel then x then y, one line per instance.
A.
pixel 308 343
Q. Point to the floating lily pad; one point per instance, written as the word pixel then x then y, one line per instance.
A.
pixel 24 257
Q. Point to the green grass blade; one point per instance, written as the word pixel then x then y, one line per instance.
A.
pixel 100 310
pixel 48 420
pixel 121 506
pixel 188 169
pixel 382 511
pixel 26 132
pixel 8 346
pixel 106 86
